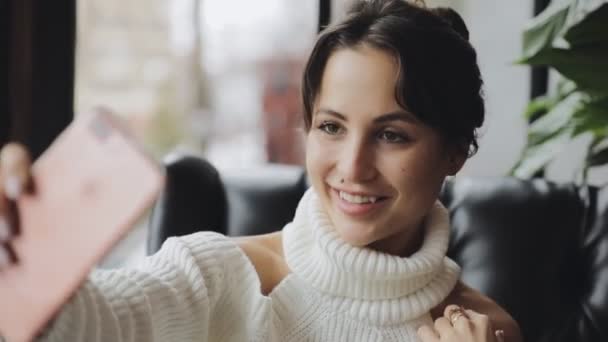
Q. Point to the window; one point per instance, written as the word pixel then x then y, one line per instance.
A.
pixel 220 78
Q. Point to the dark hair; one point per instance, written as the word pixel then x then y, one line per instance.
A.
pixel 439 80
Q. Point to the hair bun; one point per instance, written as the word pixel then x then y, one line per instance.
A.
pixel 454 19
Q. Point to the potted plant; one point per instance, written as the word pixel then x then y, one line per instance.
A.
pixel 570 37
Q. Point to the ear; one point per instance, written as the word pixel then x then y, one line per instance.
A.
pixel 456 159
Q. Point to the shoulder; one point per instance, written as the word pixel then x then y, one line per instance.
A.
pixel 265 253
pixel 202 245
pixel 470 298
pixel 214 254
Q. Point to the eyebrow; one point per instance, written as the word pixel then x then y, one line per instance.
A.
pixel 399 115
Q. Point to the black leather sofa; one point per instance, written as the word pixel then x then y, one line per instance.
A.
pixel 538 248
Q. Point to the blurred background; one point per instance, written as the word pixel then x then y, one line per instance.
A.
pixel 220 78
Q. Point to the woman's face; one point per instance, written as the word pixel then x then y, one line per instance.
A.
pixel 376 168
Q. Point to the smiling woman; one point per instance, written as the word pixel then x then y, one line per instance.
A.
pixel 389 116
pixel 392 103
pixel 376 167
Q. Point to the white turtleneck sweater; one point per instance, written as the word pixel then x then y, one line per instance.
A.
pixel 202 287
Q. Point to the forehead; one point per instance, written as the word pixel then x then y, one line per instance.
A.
pixel 359 79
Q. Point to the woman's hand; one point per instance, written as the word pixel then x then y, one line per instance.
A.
pixel 15 178
pixel 460 325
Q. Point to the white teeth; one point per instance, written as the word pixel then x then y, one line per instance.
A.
pixel 357 199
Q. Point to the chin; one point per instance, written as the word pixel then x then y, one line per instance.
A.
pixel 356 234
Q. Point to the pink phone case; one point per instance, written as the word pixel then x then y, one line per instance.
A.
pixel 91 186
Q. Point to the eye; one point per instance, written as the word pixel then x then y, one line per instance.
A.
pixel 330 128
pixel 392 137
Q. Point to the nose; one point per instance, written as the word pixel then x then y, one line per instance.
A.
pixel 356 162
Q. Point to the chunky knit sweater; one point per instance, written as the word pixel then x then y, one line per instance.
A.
pixel 202 287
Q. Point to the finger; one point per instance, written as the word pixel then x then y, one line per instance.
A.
pixel 458 317
pixel 451 309
pixel 444 327
pixel 479 319
pixel 427 334
pixel 454 312
pixel 9 218
pixel 500 335
pixel 5 258
pixel 482 325
pixel 5 229
pixel 15 166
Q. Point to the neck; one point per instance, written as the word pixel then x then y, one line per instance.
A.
pixel 404 243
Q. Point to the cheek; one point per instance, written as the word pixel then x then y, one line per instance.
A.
pixel 316 158
pixel 418 174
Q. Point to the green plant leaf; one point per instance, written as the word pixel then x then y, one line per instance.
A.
pixel 586 65
pixel 591 27
pixel 592 117
pixel 542 30
pixel 598 153
pixel 538 108
pixel 565 87
pixel 571 37
pixel 541 105
pixel 584 60
pixel 598 159
pixel 556 120
pixel 536 157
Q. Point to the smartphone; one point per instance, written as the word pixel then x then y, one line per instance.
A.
pixel 90 187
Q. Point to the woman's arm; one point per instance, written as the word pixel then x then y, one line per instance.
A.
pixel 168 297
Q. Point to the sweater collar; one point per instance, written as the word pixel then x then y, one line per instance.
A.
pixel 316 253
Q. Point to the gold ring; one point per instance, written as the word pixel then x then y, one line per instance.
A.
pixel 456 314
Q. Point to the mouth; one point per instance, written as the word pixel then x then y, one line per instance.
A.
pixel 357 203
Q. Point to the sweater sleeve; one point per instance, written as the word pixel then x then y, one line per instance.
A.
pixel 170 296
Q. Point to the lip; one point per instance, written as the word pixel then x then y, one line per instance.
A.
pixel 354 209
